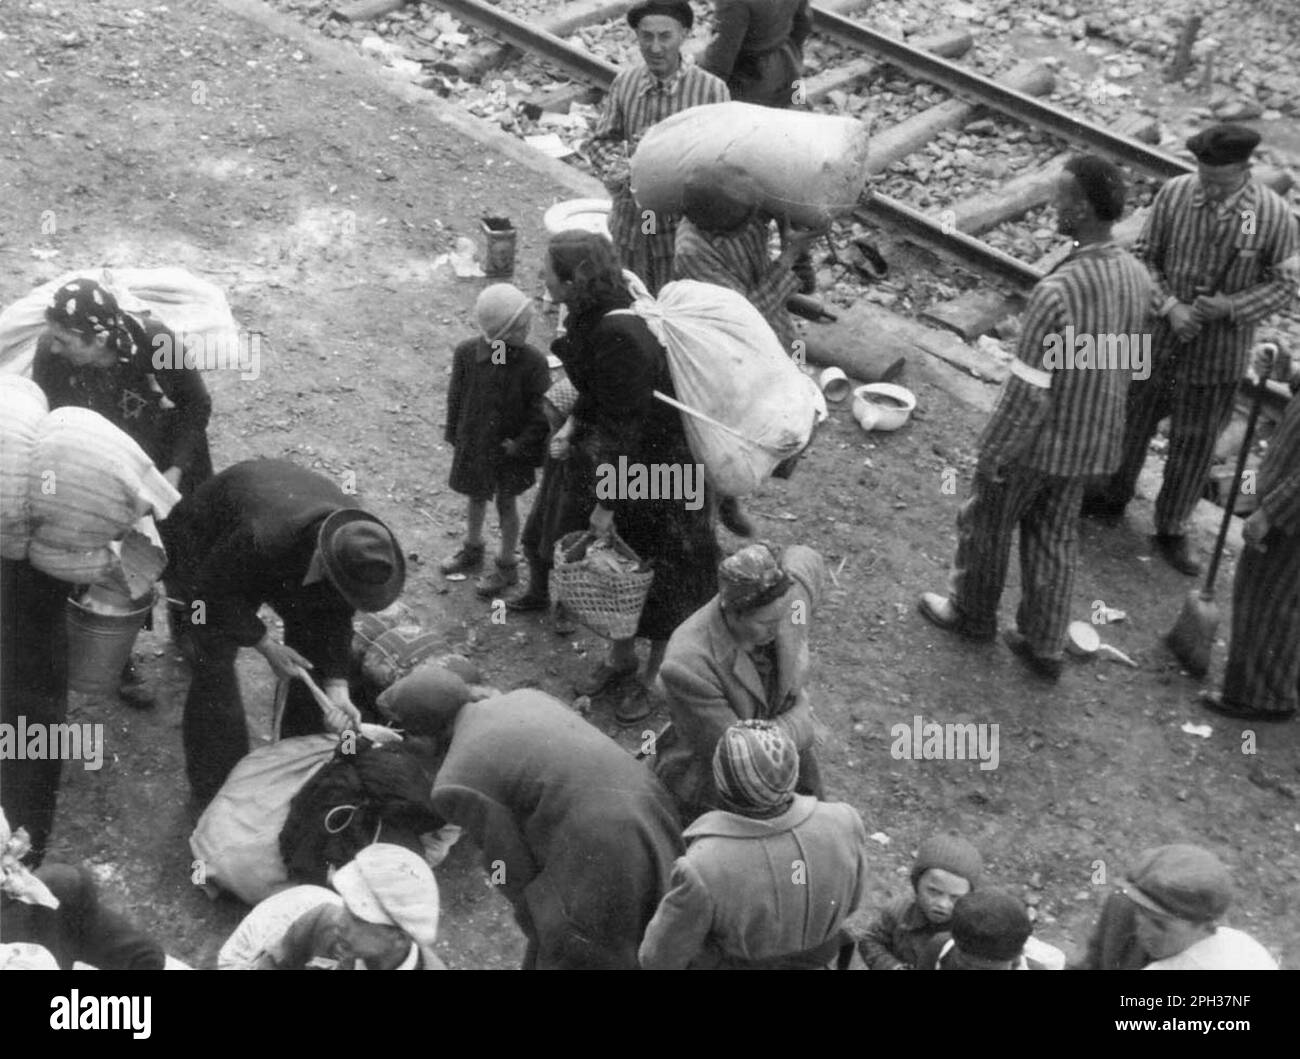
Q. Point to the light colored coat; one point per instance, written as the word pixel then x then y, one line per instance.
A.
pixel 769 891
pixel 709 683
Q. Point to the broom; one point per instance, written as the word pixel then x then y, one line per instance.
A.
pixel 1192 636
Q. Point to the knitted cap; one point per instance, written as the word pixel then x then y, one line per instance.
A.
pixel 426 701
pixel 952 853
pixel 499 307
pixel 751 578
pixel 391 886
pixel 755 766
pixel 1181 880
pixel 990 924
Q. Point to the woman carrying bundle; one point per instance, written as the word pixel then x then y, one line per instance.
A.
pixel 620 428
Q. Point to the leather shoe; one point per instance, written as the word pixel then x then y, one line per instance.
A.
pixel 1047 668
pixel 603 677
pixel 1174 551
pixel 940 611
pixel 1215 703
pixel 636 705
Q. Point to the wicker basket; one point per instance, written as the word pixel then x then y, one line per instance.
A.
pixel 608 604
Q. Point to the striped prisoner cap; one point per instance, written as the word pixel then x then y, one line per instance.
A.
pixel 755 766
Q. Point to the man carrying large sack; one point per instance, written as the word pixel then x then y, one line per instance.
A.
pixel 580 837
pixel 639 98
pixel 268 531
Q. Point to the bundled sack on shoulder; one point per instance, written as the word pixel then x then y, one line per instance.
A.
pixel 22 407
pixel 745 405
pixel 190 306
pixel 88 485
pixel 376 793
pixel 809 168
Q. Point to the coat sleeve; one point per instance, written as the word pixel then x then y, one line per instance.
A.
pixel 1150 245
pixel 1022 407
pixel 680 927
pixel 698 703
pixel 507 858
pixel 185 388
pixel 455 392
pixel 607 147
pixel 876 946
pixel 533 426
pixel 1280 267
pixel 228 584
pixel 730 24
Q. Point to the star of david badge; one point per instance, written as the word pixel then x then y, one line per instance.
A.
pixel 132 404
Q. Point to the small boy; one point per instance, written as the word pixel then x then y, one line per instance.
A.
pixel 946 868
pixel 496 425
pixel 991 931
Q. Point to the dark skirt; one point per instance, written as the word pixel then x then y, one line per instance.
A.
pixel 482 475
pixel 555 512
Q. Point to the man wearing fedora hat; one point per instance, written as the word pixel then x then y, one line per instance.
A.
pixel 269 531
pixel 1224 254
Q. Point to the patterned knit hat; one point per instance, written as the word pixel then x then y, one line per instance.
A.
pixel 84 306
pixel 391 886
pixel 990 924
pixel 751 578
pixel 755 766
pixel 949 852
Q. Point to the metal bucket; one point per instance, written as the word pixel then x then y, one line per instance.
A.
pixel 99 646
pixel 499 251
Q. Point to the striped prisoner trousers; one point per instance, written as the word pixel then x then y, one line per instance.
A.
pixel 1045 508
pixel 1198 415
pixel 1264 653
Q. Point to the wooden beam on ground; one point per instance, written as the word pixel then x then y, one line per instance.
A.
pixel 974 313
pixel 898 141
pixel 368 10
pixel 1021 194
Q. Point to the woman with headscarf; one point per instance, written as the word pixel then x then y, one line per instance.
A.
pixel 767 880
pixel 743 655
pixel 383 917
pixel 131 370
pixel 616 364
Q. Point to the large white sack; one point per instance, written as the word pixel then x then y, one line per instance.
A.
pixel 237 839
pixel 810 168
pixel 745 404
pixel 181 300
pixel 88 484
pixel 22 407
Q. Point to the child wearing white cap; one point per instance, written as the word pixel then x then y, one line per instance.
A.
pixel 497 427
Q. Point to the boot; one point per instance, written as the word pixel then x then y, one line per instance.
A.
pixel 466 561
pixel 505 575
pixel 537 596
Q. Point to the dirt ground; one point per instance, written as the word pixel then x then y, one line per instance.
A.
pixel 190 135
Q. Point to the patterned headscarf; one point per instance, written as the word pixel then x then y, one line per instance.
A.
pixel 755 767
pixel 86 307
pixel 751 578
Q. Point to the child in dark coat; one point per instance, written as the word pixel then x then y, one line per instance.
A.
pixel 496 425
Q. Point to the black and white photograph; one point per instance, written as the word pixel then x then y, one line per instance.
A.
pixel 600 485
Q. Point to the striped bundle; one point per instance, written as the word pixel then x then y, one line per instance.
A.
pixel 22 407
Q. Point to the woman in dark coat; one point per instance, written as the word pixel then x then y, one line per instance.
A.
pixel 616 365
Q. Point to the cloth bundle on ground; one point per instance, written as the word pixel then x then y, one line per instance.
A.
pixel 808 168
pixel 388 644
pixel 87 485
pixel 368 793
pixel 745 405
pixel 191 307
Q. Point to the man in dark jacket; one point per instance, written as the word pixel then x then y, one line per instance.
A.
pixel 579 837
pixel 268 531
pixel 757 48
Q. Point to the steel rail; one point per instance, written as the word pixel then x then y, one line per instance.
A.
pixel 530 38
pixel 921 229
pixel 979 89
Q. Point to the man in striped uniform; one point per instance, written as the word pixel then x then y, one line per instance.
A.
pixel 1223 251
pixel 1262 681
pixel 639 98
pixel 1059 421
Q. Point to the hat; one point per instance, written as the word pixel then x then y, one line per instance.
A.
pixel 751 578
pixel 677 9
pixel 360 557
pixel 949 852
pixel 1180 880
pixel 499 307
pixel 719 202
pixel 990 924
pixel 425 702
pixel 755 766
pixel 393 887
pixel 83 305
pixel 1223 144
